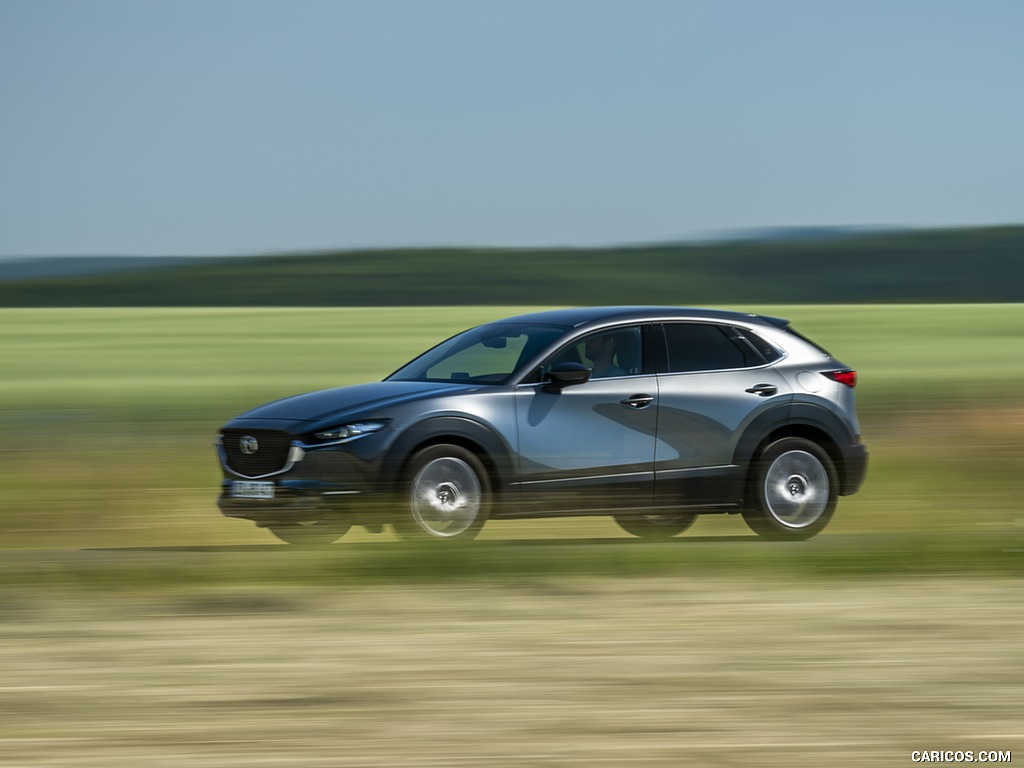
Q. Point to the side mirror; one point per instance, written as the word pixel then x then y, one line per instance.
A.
pixel 567 374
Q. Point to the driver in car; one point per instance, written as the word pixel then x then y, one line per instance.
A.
pixel 600 351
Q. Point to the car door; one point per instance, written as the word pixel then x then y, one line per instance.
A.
pixel 588 447
pixel 713 383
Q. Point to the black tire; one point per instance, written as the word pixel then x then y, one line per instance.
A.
pixel 446 495
pixel 656 527
pixel 310 533
pixel 794 487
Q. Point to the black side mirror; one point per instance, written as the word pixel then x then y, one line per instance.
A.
pixel 567 374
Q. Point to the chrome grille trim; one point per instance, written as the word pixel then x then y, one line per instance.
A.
pixel 277 453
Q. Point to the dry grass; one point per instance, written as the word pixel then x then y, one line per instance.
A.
pixel 643 672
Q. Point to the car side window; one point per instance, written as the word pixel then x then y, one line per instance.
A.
pixel 706 347
pixel 766 350
pixel 609 353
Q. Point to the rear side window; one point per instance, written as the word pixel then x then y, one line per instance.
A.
pixel 703 347
pixel 791 330
pixel 764 349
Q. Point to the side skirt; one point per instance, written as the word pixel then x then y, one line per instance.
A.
pixel 506 511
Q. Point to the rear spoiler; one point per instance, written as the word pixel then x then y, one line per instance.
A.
pixel 778 322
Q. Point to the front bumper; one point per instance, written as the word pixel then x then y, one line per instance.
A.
pixel 294 501
pixel 313 484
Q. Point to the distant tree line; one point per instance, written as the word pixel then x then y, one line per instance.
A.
pixel 949 265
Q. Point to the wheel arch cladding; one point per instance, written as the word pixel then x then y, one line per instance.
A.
pixel 811 422
pixel 493 452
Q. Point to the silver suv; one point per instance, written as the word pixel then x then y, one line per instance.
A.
pixel 652 415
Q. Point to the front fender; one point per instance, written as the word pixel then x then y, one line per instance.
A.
pixel 494 451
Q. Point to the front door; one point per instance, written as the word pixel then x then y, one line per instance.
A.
pixel 590 447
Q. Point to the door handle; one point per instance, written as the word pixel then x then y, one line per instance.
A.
pixel 763 390
pixel 638 401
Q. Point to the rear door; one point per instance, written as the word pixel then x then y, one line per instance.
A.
pixel 713 384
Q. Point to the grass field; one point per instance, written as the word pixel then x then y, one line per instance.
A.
pixel 107 415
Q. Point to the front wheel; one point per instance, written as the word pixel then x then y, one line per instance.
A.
pixel 794 484
pixel 447 495
pixel 658 527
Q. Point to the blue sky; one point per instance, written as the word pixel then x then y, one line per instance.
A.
pixel 217 127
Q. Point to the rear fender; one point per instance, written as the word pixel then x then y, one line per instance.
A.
pixel 836 436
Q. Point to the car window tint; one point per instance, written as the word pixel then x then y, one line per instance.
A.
pixel 766 350
pixel 704 347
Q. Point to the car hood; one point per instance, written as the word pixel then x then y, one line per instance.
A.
pixel 316 406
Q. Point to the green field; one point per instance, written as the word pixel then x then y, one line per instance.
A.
pixel 108 414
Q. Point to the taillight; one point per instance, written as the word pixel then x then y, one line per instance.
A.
pixel 849 378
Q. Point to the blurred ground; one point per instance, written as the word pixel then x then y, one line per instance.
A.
pixel 583 672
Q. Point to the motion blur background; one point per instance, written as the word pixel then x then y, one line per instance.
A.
pixel 204 206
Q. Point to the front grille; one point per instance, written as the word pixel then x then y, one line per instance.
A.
pixel 270 455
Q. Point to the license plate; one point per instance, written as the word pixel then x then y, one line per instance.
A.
pixel 247 489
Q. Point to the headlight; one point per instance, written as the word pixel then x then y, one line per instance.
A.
pixel 349 431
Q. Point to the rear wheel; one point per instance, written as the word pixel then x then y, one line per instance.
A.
pixel 794 485
pixel 312 532
pixel 656 526
pixel 447 495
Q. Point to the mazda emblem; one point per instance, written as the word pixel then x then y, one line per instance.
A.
pixel 249 445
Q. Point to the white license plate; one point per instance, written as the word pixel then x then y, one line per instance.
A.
pixel 247 489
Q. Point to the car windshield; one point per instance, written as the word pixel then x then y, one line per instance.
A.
pixel 488 354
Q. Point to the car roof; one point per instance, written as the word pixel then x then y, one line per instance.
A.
pixel 580 316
